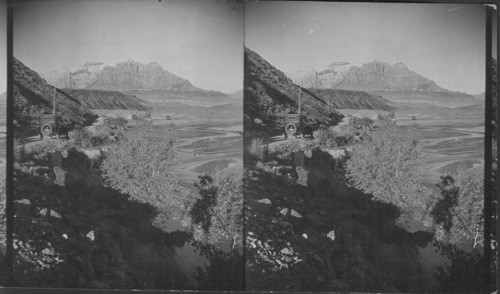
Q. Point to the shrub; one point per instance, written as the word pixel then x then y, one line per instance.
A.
pixel 218 213
pixel 460 210
pixel 388 168
pixel 256 149
pixel 119 121
pixel 143 167
pixel 331 138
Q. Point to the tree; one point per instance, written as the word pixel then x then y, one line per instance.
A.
pixel 143 166
pixel 388 168
pixel 218 213
pixel 459 212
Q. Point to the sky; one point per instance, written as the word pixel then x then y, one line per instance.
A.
pixel 443 42
pixel 201 41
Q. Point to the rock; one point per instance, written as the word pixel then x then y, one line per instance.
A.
pixel 43 212
pixel 90 235
pixel 293 213
pixel 264 201
pixel 296 214
pixel 304 236
pixel 60 176
pixel 287 251
pixel 55 214
pixel 48 251
pixel 302 172
pixel 331 235
pixel 23 206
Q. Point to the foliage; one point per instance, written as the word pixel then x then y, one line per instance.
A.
pixel 218 213
pixel 225 272
pixel 388 168
pixel 460 210
pixel 118 121
pixel 464 273
pixel 143 166
pixel 330 138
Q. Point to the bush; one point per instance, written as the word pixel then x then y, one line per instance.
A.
pixel 218 213
pixel 388 168
pixel 143 167
pixel 330 138
pixel 460 210
pixel 119 121
pixel 362 121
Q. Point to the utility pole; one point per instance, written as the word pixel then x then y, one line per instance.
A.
pixel 300 97
pixel 54 103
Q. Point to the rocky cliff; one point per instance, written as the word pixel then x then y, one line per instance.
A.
pixel 129 75
pixel 323 77
pixel 33 96
pixel 393 82
pixel 269 94
pixel 100 99
pixel 149 82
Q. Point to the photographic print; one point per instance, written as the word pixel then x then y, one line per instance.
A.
pixel 128 144
pixel 364 147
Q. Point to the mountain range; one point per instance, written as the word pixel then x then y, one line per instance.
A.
pixel 393 82
pixel 149 82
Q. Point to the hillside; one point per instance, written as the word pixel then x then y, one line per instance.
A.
pixel 393 82
pixel 269 94
pixel 345 99
pixel 101 99
pixel 33 96
pixel 192 97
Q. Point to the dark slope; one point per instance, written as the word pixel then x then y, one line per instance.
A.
pixel 269 94
pixel 101 99
pixel 33 97
pixel 198 97
pixel 345 99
